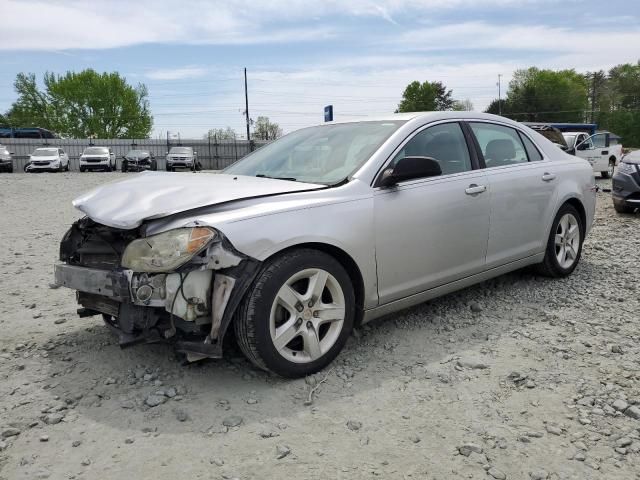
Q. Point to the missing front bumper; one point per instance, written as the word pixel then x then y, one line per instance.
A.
pixel 108 283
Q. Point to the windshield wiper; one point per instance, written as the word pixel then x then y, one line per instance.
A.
pixel 262 175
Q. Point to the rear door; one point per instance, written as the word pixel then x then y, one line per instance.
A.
pixel 522 183
pixel 432 231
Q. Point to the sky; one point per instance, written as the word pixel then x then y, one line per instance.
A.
pixel 302 55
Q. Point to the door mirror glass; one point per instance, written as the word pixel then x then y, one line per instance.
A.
pixel 408 168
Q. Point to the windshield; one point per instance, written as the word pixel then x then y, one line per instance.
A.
pixel 324 154
pixel 96 151
pixel 45 152
pixel 137 153
pixel 186 150
pixel 570 139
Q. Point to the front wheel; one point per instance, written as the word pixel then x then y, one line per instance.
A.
pixel 564 246
pixel 297 315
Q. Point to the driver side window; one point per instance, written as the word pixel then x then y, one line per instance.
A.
pixel 445 143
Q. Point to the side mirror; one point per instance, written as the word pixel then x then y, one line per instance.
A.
pixel 583 146
pixel 408 168
pixel 12 153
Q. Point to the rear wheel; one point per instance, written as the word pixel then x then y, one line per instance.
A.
pixel 154 165
pixel 298 314
pixel 564 246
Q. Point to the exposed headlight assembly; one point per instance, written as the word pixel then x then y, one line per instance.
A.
pixel 166 251
pixel 625 167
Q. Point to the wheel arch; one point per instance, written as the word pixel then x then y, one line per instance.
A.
pixel 577 204
pixel 347 262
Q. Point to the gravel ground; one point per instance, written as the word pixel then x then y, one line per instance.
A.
pixel 520 377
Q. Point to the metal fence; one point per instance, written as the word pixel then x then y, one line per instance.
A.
pixel 213 154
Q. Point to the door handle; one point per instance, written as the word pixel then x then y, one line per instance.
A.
pixel 547 177
pixel 474 189
pixel 605 152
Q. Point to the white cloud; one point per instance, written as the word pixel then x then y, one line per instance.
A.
pixel 179 73
pixel 565 48
pixel 101 24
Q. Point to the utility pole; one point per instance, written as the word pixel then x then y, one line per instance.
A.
pixel 246 107
pixel 593 96
pixel 499 94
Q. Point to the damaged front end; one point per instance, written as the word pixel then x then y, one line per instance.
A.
pixel 180 286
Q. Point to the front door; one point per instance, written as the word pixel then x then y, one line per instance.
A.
pixel 432 231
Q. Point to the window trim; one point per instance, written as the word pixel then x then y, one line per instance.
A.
pixel 520 133
pixel 475 163
pixel 522 137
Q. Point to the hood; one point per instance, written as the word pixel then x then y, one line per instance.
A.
pixel 48 158
pixel 126 204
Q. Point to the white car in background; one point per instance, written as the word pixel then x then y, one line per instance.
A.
pixel 602 150
pixel 182 157
pixel 48 159
pixel 98 158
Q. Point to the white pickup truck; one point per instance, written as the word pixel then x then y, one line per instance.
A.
pixel 602 150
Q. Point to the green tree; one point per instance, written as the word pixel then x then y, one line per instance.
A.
pixel 462 105
pixel 617 101
pixel 221 133
pixel 497 107
pixel 265 129
pixel 82 104
pixel 425 97
pixel 546 96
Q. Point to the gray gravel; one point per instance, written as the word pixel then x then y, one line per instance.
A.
pixel 519 377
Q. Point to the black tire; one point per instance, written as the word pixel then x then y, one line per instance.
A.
pixel 604 174
pixel 11 169
pixel 550 267
pixel 251 322
pixel 154 166
pixel 124 166
pixel 169 169
pixel 622 208
pixel 83 169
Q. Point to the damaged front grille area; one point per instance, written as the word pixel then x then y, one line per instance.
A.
pixel 90 244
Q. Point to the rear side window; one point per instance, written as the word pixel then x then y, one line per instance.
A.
pixel 501 146
pixel 532 151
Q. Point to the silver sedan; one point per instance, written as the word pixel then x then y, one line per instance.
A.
pixel 324 229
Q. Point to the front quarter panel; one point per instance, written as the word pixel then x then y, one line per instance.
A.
pixel 341 217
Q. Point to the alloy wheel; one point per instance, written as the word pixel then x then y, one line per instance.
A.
pixel 307 315
pixel 567 240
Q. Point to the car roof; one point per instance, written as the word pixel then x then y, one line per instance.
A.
pixel 438 115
